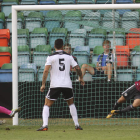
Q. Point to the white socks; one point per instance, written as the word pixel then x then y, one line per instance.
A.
pixel 45 115
pixel 73 113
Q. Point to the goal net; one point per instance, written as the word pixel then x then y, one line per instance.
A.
pixel 83 29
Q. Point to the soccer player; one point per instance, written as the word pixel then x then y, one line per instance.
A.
pixel 11 113
pixel 133 91
pixel 59 64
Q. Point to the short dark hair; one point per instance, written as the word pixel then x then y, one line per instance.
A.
pixel 58 43
pixel 107 42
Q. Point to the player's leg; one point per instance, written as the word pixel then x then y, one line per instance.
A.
pixel 128 94
pixel 116 105
pixel 52 95
pixel 86 67
pixel 68 97
pixel 11 113
pixel 108 70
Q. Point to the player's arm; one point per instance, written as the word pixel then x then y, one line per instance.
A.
pixel 79 73
pixel 45 74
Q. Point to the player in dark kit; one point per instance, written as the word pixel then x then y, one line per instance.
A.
pixel 133 91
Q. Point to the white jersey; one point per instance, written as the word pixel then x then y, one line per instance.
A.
pixel 60 63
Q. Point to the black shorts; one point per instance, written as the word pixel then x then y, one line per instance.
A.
pixel 54 93
pixel 99 73
pixel 131 92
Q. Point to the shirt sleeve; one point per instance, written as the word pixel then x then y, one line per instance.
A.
pixel 48 61
pixel 98 58
pixel 73 62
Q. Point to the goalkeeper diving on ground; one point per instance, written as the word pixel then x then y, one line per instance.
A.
pixel 133 91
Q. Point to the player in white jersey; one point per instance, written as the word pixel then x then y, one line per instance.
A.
pixel 59 65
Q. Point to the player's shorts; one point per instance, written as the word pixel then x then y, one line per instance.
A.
pixel 99 73
pixel 54 93
pixel 131 92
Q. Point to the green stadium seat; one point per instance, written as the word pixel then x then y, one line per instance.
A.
pixel 20 21
pixel 125 75
pixel 2 20
pixel 6 6
pixel 70 18
pixel 38 37
pixel 27 72
pixel 130 20
pixel 5 55
pixel 82 54
pixel 40 54
pixel 119 37
pixel 29 2
pixel 96 37
pixel 137 1
pixel 103 1
pixel 135 56
pixel 77 37
pixel 6 72
pixel 7 66
pixel 40 74
pixel 93 19
pixel 23 37
pixel 53 19
pixel 85 1
pixel 108 22
pixel 66 1
pixel 34 20
pixel 96 52
pixel 23 55
pixel 57 33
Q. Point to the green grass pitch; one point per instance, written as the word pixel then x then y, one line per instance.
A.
pixel 67 132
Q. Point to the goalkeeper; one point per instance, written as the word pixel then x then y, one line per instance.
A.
pixel 133 91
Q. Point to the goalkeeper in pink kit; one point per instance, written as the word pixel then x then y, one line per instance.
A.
pixel 11 113
pixel 133 91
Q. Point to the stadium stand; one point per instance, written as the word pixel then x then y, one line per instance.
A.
pixel 77 37
pixel 2 20
pixel 53 19
pixel 133 39
pixel 20 21
pixel 5 55
pixel 122 54
pixel 86 1
pixel 29 2
pixel 23 37
pixel 119 37
pixel 57 33
pixel 70 18
pixel 34 20
pixel 66 1
pixel 48 2
pixel 125 75
pixel 40 73
pixel 107 20
pixel 40 54
pixel 96 52
pixel 93 18
pixel 96 37
pixel 135 56
pixel 130 17
pixel 4 37
pixel 23 55
pixel 124 1
pixel 6 6
pixel 103 1
pixel 27 72
pixel 6 73
pixel 82 54
pixel 38 37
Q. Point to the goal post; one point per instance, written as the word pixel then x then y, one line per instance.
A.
pixel 15 9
